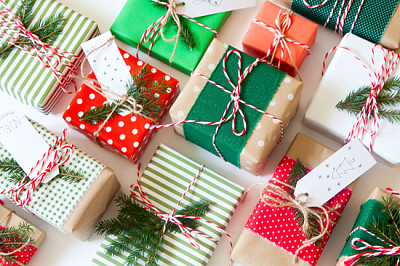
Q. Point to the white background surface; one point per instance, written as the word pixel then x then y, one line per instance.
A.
pixel 60 249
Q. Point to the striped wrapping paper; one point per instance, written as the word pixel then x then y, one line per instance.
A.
pixel 24 77
pixel 165 180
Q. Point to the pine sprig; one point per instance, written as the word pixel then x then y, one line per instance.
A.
pixel 139 230
pixel 388 100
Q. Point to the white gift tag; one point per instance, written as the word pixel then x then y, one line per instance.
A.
pixel 199 8
pixel 22 141
pixel 335 173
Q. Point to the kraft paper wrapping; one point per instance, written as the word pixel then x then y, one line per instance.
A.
pixel 252 250
pixel 267 134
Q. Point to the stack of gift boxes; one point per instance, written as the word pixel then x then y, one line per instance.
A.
pixel 237 105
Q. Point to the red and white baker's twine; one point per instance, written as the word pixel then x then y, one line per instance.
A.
pixel 342 15
pixel 141 196
pixel 282 25
pixel 59 153
pixel 379 75
pixel 12 29
pixel 235 100
pixel 157 28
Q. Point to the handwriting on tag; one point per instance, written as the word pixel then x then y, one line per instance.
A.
pixel 335 173
pixel 199 8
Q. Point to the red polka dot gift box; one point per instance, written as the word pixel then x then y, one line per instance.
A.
pixel 124 130
pixel 276 231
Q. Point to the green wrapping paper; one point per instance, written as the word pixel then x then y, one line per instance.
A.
pixel 165 180
pixel 24 77
pixel 184 59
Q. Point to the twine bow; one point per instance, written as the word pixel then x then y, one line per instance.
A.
pixel 12 29
pixel 59 153
pixel 282 25
pixel 379 75
pixel 235 100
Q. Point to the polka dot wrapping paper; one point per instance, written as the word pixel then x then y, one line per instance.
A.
pixel 126 134
pixel 272 233
pixel 265 87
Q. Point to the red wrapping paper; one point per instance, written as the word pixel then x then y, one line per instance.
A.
pixel 127 135
pixel 278 225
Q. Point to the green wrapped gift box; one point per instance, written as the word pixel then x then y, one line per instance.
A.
pixel 143 13
pixel 165 180
pixel 24 77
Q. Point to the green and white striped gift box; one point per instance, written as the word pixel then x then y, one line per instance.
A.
pixel 24 77
pixel 165 180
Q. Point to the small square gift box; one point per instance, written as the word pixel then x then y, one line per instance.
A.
pixel 277 230
pixel 343 107
pixel 181 42
pixel 284 38
pixel 187 207
pixel 40 48
pixel 374 239
pixel 122 124
pixel 77 196
pixel 239 119
pixel 19 239
pixel 376 21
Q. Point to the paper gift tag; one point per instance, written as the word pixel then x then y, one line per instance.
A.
pixel 199 8
pixel 335 173
pixel 22 141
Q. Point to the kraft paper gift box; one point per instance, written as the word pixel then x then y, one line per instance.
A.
pixel 126 134
pixel 258 40
pixel 346 74
pixel 272 234
pixel 24 77
pixel 185 59
pixel 73 208
pixel 201 100
pixel 164 181
pixel 377 21
pixel 11 219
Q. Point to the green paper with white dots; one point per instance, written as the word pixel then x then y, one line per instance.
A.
pixel 55 201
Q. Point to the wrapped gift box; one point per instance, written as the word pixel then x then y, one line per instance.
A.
pixel 377 21
pixel 25 78
pixel 164 181
pixel 73 208
pixel 258 39
pixel 277 239
pixel 346 74
pixel 201 100
pixel 10 219
pixel 127 134
pixel 184 60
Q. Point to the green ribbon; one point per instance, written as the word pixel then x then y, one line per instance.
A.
pixel 371 24
pixel 258 89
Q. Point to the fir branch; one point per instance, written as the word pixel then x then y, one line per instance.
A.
pixel 298 172
pixel 24 11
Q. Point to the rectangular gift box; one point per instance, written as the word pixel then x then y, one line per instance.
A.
pixel 127 134
pixel 371 210
pixel 11 219
pixel 261 241
pixel 259 39
pixel 347 74
pixel 73 208
pixel 377 21
pixel 25 78
pixel 201 100
pixel 185 59
pixel 165 179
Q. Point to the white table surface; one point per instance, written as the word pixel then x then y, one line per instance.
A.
pixel 60 249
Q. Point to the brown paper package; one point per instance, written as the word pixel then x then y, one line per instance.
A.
pixel 253 157
pixel 251 249
pixel 378 194
pixel 390 38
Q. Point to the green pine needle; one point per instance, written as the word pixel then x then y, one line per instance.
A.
pixel 139 230
pixel 388 101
